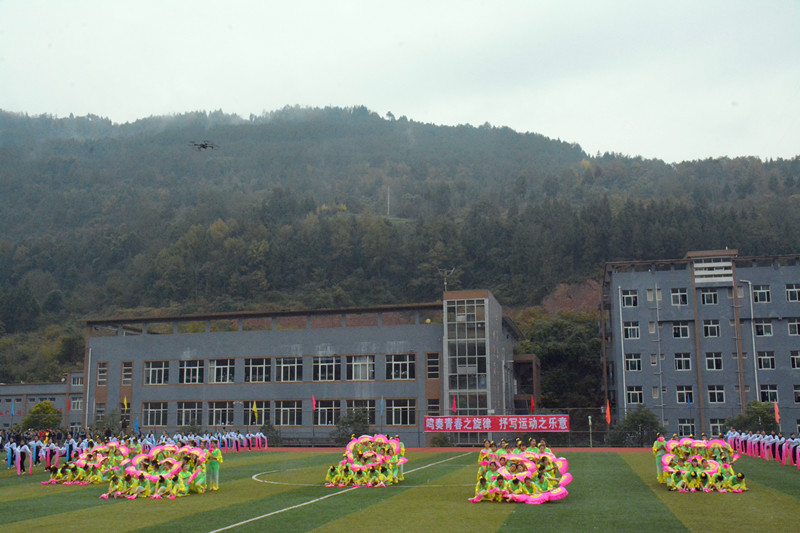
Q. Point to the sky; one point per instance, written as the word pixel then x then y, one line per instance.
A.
pixel 679 80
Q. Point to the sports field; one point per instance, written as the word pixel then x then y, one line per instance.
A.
pixel 283 491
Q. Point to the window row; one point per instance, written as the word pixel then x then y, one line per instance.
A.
pixel 277 369
pixel 762 327
pixel 394 412
pixel 708 296
pixel 684 394
pixel 682 361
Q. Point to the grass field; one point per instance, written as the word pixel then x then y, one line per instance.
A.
pixel 283 491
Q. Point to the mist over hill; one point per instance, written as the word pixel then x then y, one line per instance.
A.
pixel 308 207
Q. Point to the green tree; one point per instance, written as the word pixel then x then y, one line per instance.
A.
pixel 639 428
pixel 43 415
pixel 355 422
pixel 759 416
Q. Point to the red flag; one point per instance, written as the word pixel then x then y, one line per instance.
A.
pixel 313 403
pixel 69 405
pixel 454 404
pixel 608 412
pixel 533 405
pixel 777 413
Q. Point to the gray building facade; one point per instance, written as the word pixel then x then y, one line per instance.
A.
pixel 302 370
pixel 695 339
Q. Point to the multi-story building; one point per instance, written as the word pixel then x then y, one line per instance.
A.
pixel 17 399
pixel 301 370
pixel 696 339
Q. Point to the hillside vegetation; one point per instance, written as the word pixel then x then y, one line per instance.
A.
pixel 309 208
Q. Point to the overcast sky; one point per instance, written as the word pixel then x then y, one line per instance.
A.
pixel 672 80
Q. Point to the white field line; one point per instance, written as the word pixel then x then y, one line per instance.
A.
pixel 315 500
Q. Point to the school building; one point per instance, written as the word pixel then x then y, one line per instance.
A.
pixel 302 370
pixel 695 339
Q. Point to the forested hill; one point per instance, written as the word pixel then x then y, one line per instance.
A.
pixel 334 207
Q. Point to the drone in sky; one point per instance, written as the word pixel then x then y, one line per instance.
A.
pixel 203 145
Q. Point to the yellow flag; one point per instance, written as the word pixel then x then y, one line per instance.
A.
pixel 255 412
pixel 125 403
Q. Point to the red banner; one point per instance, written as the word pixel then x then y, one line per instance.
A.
pixel 467 424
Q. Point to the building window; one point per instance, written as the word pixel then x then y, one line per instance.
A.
pixel 127 373
pixel 434 407
pixel 220 413
pixel 156 372
pixel 717 427
pixel 629 298
pixel 794 355
pixel 257 370
pixel 360 367
pixel 797 394
pixel 793 292
pixel 99 413
pixel 794 326
pixel 634 394
pixel 401 366
pixel 713 360
pixel 655 393
pixel 766 360
pixel 710 328
pixel 680 329
pixel 651 326
pixel 684 394
pixel 633 362
pixel 679 297
pixel 683 361
pixel 650 295
pixel 653 359
pixel 190 372
pixel 761 294
pixel 327 413
pixel 716 394
pixel 77 381
pixel 102 374
pixel 326 368
pixel 708 296
pixel 190 414
pixel 289 413
pixel 401 412
pixel 366 405
pixel 768 393
pixel 763 327
pixel 685 427
pixel 630 330
pixel 289 369
pixel 154 414
pixel 220 370
pixel 76 402
pixel 433 365
pixel 257 417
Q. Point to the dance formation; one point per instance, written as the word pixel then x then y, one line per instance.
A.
pixel 524 474
pixel 702 465
pixel 165 471
pixel 369 461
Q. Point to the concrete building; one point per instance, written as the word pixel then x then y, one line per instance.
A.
pixel 301 370
pixel 695 339
pixel 17 399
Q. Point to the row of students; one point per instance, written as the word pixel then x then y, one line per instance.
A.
pixel 772 446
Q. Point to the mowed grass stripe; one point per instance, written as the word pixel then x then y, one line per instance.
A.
pixel 303 518
pixel 605 495
pixel 434 508
pixel 754 510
